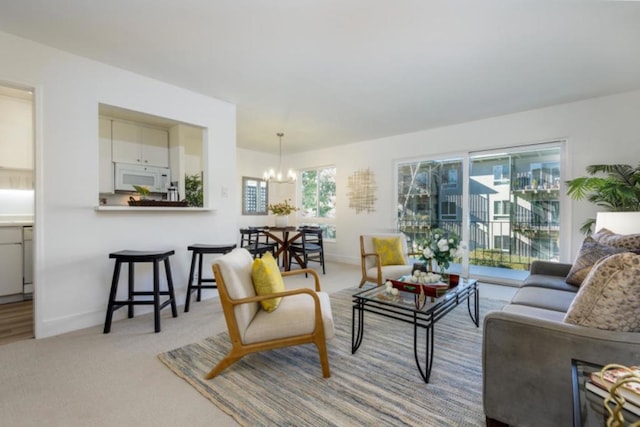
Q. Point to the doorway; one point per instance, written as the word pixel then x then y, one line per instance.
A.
pixel 17 200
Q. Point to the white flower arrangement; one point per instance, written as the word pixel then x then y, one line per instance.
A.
pixel 441 247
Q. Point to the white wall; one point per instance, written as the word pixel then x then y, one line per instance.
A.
pixel 599 130
pixel 72 239
pixel 253 164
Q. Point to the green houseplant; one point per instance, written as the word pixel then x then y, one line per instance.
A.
pixel 617 191
pixel 143 190
pixel 193 190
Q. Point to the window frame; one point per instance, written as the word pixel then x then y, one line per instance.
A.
pixel 324 222
pixel 245 209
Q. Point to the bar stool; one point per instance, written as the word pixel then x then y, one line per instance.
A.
pixel 131 257
pixel 198 250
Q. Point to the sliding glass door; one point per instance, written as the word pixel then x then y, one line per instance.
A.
pixel 430 195
pixel 508 211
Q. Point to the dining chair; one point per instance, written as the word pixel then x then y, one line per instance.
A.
pixel 250 240
pixel 311 248
pixel 264 239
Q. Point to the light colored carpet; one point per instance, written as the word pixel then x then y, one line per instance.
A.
pixel 379 385
pixel 86 378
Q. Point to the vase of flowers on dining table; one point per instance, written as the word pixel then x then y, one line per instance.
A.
pixel 282 211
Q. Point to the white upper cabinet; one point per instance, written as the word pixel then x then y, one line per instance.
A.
pixel 16 133
pixel 139 145
pixel 106 165
pixel 155 147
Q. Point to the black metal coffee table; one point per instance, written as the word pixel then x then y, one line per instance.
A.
pixel 403 308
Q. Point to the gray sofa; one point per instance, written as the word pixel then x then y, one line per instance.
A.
pixel 527 352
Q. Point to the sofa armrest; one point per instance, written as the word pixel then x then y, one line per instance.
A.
pixel 550 268
pixel 527 365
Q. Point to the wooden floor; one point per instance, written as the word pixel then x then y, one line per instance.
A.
pixel 16 321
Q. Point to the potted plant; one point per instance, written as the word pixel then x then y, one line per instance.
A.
pixel 143 190
pixel 617 191
pixel 281 211
pixel 193 189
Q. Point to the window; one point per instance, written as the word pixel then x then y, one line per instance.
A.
pixel 501 174
pixel 429 196
pixel 524 221
pixel 501 209
pixel 448 210
pixel 318 188
pixel 501 243
pixel 255 196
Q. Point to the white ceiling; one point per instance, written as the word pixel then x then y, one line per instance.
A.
pixel 328 72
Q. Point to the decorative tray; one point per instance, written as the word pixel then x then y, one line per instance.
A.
pixel 430 289
pixel 165 203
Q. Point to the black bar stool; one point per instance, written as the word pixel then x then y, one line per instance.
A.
pixel 131 257
pixel 198 250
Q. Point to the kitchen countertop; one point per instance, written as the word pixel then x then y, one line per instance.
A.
pixel 15 221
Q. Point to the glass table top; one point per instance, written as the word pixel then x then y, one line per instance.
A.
pixel 409 300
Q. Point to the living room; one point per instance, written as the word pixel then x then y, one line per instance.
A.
pixel 73 239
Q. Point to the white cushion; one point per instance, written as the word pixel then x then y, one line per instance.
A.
pixel 291 318
pixel 236 270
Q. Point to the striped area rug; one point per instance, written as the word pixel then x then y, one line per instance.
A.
pixel 379 385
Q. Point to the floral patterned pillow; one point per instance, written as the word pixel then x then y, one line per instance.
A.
pixel 609 298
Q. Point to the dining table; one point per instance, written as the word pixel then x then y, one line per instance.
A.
pixel 284 236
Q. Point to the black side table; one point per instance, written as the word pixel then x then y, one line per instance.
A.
pixel 197 251
pixel 588 408
pixel 131 257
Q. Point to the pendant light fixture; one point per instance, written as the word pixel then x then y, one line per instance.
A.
pixel 277 177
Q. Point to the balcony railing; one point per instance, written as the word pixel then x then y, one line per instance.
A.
pixel 497 243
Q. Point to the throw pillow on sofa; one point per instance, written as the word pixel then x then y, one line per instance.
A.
pixel 609 298
pixel 590 252
pixel 630 242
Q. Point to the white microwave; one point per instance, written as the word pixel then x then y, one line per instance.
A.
pixel 156 179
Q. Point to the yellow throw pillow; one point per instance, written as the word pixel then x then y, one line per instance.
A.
pixel 390 250
pixel 267 279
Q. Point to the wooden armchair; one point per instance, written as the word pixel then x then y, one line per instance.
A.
pixel 304 315
pixel 373 269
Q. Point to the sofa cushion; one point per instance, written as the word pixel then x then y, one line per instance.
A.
pixel 630 242
pixel 550 299
pixel 549 281
pixel 590 252
pixel 267 279
pixel 390 250
pixel 610 295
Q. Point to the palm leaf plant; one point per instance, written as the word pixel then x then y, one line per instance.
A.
pixel 617 191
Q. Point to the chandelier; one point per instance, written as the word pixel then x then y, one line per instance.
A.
pixel 277 177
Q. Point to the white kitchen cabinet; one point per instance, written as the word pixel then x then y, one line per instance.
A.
pixel 16 133
pixel 105 168
pixel 155 147
pixel 10 260
pixel 139 144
